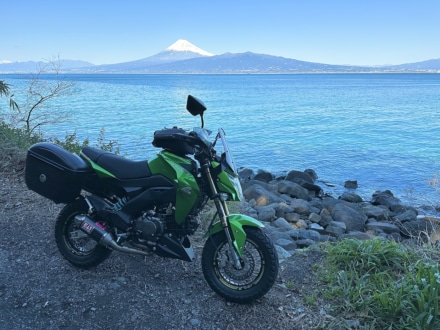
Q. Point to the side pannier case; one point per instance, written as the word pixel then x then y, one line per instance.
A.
pixel 54 172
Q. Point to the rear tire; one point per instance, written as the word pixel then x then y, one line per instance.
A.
pixel 258 272
pixel 74 245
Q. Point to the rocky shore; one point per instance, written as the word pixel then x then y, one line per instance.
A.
pixel 298 213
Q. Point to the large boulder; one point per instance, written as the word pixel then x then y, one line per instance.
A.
pixel 261 196
pixel 351 197
pixel 265 213
pixel 354 220
pixel 263 176
pixel 303 207
pixel 409 215
pixel 377 212
pixel 293 190
pixel 298 177
pixel 385 198
pixel 246 174
pixel 386 227
pixel 268 186
pixel 417 228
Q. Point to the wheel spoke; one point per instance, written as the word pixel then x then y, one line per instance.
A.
pixel 252 279
pixel 251 266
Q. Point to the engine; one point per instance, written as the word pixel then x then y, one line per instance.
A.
pixel 153 224
pixel 149 226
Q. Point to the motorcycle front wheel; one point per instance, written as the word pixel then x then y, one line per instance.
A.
pixel 250 281
pixel 74 245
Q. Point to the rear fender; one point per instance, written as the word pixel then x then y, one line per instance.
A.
pixel 236 223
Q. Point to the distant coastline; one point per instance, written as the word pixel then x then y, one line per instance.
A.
pixel 243 63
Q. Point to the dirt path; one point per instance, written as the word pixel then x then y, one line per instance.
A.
pixel 40 290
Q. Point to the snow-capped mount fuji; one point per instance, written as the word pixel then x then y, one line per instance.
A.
pixel 178 51
pixel 182 45
pixel 181 50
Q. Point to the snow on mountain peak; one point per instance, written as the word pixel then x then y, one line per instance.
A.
pixel 185 46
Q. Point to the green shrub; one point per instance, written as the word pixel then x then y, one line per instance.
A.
pixel 386 284
pixel 20 138
pixel 16 137
pixel 71 143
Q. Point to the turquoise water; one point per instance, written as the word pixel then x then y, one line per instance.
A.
pixel 378 129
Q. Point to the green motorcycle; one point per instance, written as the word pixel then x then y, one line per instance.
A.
pixel 152 206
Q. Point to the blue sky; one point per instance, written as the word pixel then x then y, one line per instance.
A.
pixel 372 32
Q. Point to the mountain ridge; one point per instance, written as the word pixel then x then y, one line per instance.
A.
pixel 184 57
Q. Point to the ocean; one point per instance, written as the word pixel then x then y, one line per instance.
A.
pixel 378 129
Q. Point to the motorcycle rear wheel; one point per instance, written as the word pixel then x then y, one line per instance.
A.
pixel 74 245
pixel 259 267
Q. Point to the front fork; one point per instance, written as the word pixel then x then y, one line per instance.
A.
pixel 231 224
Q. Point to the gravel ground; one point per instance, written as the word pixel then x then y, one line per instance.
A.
pixel 41 290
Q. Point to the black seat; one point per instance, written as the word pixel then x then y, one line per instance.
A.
pixel 119 166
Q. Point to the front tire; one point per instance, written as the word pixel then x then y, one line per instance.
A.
pixel 74 245
pixel 258 272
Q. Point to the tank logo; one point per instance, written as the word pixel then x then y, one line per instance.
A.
pixel 186 190
pixel 87 227
pixel 43 178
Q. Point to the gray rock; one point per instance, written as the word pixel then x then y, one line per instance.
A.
pixel 312 173
pixel 305 234
pixel 385 198
pixel 266 185
pixel 293 175
pixel 352 219
pixel 261 196
pixel 315 218
pixel 416 228
pixel 292 217
pixel 276 234
pixel 335 229
pixel 293 190
pixel 301 224
pixel 408 215
pixel 282 253
pixel 351 184
pixel 386 227
pixel 377 212
pixel 326 217
pixel 286 244
pixel 351 197
pixel 317 228
pixel 246 174
pixel 263 176
pixel 303 207
pixel 312 188
pixel 265 213
pixel 282 224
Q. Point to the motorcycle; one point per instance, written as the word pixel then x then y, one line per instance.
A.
pixel 152 206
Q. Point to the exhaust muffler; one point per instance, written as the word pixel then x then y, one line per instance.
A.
pixel 100 235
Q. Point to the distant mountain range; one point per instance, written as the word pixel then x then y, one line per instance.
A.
pixel 184 57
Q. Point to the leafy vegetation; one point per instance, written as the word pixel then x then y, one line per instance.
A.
pixel 383 284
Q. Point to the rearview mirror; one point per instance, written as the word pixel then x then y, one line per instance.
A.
pixel 195 106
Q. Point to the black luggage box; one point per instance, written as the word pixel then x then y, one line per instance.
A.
pixel 174 139
pixel 54 172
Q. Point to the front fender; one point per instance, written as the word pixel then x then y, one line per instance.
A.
pixel 236 222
